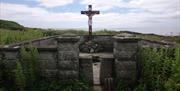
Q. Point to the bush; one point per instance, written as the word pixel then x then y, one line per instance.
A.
pixel 20 80
pixel 159 70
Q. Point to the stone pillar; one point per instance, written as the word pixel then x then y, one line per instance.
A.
pixel 68 57
pixel 86 69
pixel 125 49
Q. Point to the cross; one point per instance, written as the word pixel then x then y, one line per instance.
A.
pixel 90 14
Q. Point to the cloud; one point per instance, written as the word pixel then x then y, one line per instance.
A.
pixel 103 5
pixel 54 3
pixel 163 20
pixel 24 12
pixel 155 6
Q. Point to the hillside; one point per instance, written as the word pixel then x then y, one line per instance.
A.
pixel 8 35
pixel 4 24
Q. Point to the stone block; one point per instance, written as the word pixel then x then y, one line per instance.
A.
pixel 50 73
pixel 68 65
pixel 68 74
pixel 68 39
pixel 124 54
pixel 124 74
pixel 47 64
pixel 1 56
pixel 68 47
pixel 130 46
pixel 47 55
pixel 125 69
pixel 125 65
pixel 86 69
pixel 10 63
pixel 68 55
pixel 11 55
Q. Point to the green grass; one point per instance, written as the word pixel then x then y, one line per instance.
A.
pixel 8 36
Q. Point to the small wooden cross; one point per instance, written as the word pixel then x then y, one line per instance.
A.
pixel 90 14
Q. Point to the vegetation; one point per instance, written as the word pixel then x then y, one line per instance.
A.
pixel 19 77
pixel 8 36
pixel 160 70
pixel 4 24
pixel 26 76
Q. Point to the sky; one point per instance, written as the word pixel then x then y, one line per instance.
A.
pixel 145 16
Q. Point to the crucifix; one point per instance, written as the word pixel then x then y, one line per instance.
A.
pixel 90 13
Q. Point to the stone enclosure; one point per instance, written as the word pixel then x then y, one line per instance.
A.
pixel 69 57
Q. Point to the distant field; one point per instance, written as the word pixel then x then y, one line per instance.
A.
pixel 11 32
pixel 11 36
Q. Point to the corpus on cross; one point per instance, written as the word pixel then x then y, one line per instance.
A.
pixel 90 13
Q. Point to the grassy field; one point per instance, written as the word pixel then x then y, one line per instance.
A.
pixel 11 36
pixel 11 32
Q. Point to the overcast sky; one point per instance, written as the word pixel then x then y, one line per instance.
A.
pixel 146 16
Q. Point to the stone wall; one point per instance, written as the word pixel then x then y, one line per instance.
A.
pixel 125 58
pixel 61 62
pixel 47 61
pixel 10 55
pixel 68 57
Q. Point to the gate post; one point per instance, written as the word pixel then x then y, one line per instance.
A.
pixel 68 57
pixel 125 50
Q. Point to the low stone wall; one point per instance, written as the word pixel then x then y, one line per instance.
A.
pixel 60 62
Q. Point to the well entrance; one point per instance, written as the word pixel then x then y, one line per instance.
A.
pixel 70 57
